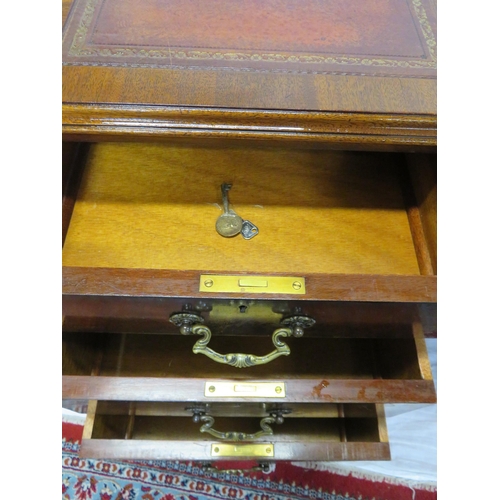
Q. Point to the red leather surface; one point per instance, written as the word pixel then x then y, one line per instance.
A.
pixel 367 36
pixel 354 27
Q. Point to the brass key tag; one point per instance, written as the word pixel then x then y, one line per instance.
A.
pixel 229 223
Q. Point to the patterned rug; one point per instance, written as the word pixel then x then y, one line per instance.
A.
pixel 86 479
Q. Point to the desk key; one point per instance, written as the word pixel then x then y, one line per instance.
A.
pixel 249 230
pixel 229 223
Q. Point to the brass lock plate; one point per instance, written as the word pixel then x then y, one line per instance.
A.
pixel 290 285
pixel 245 389
pixel 242 450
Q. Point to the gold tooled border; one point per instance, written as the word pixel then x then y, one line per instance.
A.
pixel 79 49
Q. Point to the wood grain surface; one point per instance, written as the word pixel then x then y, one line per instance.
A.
pixel 81 282
pixel 317 390
pixel 155 206
pixel 93 89
pixel 183 428
pixel 131 314
pixel 420 241
pixel 106 100
pixel 169 356
pixel 225 409
pixel 73 161
pixel 294 129
pixel 195 450
pixel 423 171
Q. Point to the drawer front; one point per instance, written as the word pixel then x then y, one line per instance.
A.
pixel 222 432
pixel 159 367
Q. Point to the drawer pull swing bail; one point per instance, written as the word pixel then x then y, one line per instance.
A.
pixel 191 323
pixel 275 417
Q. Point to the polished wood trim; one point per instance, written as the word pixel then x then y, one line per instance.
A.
pixel 423 357
pixel 382 424
pixel 297 391
pixel 78 281
pixel 91 122
pixel 74 157
pixel 417 230
pixel 89 420
pixel 423 172
pixel 223 89
pixel 201 450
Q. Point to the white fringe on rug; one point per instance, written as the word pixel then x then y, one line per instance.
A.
pixel 336 468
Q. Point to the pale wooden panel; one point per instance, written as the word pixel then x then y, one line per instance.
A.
pixel 89 421
pixel 423 171
pixel 423 357
pixel 382 424
pixel 155 206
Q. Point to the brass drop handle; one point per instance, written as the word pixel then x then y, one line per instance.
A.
pixel 190 323
pixel 275 417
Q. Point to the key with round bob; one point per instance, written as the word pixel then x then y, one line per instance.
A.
pixel 228 224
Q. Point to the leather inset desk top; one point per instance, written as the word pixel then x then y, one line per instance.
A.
pixel 364 37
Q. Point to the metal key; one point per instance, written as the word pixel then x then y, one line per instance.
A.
pixel 249 230
pixel 228 224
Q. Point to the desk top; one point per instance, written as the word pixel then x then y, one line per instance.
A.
pixel 353 63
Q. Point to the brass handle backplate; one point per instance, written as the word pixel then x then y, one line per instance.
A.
pixel 190 323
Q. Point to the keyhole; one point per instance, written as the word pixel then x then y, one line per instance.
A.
pixel 243 309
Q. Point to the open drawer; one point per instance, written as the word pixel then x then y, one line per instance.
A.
pixel 161 367
pixel 176 431
pixel 355 226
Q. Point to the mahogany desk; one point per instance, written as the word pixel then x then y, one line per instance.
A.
pixel 322 117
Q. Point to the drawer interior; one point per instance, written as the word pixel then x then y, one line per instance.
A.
pixel 171 356
pixel 154 206
pixel 241 409
pixel 247 317
pixel 182 428
pixel 342 432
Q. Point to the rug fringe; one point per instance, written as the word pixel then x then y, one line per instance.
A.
pixel 369 476
pixel 72 417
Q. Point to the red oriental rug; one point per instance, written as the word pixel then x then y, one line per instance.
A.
pixel 87 479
